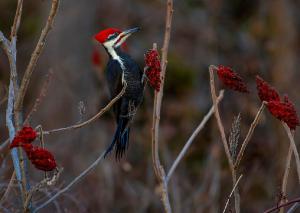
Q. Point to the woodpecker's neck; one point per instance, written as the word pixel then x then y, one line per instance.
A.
pixel 116 54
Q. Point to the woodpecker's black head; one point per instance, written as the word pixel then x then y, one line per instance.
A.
pixel 113 38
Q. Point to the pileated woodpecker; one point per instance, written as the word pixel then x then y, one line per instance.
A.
pixel 121 69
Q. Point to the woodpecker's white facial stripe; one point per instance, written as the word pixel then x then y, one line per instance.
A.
pixel 110 46
pixel 116 42
pixel 121 40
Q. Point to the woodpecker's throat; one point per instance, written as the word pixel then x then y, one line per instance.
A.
pixel 114 55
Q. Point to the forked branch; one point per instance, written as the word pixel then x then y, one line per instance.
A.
pixel 35 56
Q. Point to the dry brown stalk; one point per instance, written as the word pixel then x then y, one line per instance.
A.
pixel 275 208
pixel 294 147
pixel 249 135
pixel 32 63
pixel 158 168
pixel 223 137
pixel 41 96
pixel 285 176
pixel 8 189
pixel 235 185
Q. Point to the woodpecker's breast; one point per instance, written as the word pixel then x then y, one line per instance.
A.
pixel 132 74
pixel 133 77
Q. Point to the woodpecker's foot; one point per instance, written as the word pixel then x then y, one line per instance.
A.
pixel 144 77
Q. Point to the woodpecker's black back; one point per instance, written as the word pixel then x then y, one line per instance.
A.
pixel 125 108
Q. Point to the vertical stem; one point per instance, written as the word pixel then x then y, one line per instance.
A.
pixel 217 115
pixel 294 147
pixel 12 132
pixel 158 168
pixel 249 135
pixel 223 137
pixel 285 176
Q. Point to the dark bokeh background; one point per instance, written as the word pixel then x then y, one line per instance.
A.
pixel 254 37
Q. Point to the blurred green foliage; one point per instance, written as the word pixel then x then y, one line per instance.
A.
pixel 180 77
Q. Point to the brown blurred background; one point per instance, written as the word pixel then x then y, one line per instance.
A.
pixel 253 37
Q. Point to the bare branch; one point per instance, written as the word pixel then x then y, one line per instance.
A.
pixel 4 145
pixel 41 96
pixel 8 189
pixel 3 101
pixel 45 182
pixel 11 51
pixel 12 131
pixel 235 185
pixel 217 115
pixel 14 109
pixel 296 200
pixel 17 20
pixel 294 147
pixel 249 135
pixel 293 208
pixel 192 137
pixel 286 175
pixel 69 186
pixel 159 170
pixel 223 137
pixel 35 55
pixel 101 112
pixel 5 44
pixel 76 126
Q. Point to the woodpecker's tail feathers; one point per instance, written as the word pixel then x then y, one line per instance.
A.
pixel 121 139
pixel 122 144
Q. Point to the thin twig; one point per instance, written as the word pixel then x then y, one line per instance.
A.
pixel 73 182
pixel 249 135
pixel 9 187
pixel 286 175
pixel 4 42
pixel 4 145
pixel 235 185
pixel 293 208
pixel 296 200
pixel 45 182
pixel 158 168
pixel 101 112
pixel 42 95
pixel 76 126
pixel 223 137
pixel 192 137
pixel 293 144
pixel 17 20
pixel 217 115
pixel 4 99
pixel 34 57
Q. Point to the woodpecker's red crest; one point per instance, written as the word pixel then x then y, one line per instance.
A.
pixel 106 34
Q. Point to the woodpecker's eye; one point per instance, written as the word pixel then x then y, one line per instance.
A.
pixel 112 36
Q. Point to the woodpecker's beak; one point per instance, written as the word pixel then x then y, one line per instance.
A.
pixel 124 35
pixel 130 31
